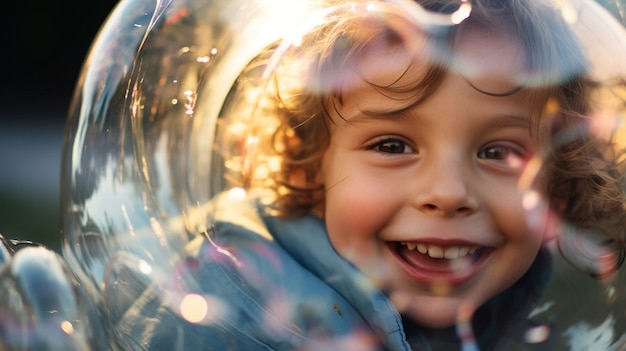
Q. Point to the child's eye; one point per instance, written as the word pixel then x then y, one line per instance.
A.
pixel 513 156
pixel 392 146
pixel 496 152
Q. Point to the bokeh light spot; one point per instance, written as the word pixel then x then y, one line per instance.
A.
pixel 194 308
pixel 569 13
pixel 537 334
pixel 145 267
pixel 462 13
pixel 530 200
pixel 237 193
pixel 67 327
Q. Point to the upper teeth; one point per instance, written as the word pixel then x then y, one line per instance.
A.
pixel 436 251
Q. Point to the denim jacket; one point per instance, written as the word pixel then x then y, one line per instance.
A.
pixel 273 284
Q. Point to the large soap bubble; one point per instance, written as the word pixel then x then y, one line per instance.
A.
pixel 175 137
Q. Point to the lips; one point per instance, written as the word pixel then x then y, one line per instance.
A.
pixel 437 251
pixel 440 264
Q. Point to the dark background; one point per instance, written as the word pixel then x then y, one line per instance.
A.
pixel 43 46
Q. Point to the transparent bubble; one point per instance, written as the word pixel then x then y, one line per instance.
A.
pixel 196 123
pixel 43 307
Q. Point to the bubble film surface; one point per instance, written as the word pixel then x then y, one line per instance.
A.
pixel 43 306
pixel 189 116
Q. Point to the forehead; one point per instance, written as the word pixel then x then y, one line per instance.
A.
pixel 387 77
pixel 493 62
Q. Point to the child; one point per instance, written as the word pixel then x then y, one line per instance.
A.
pixel 422 169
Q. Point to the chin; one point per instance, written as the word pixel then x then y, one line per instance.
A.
pixel 433 312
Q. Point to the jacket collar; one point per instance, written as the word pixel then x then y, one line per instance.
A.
pixel 307 241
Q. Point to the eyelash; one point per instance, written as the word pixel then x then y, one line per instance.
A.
pixel 511 154
pixel 398 142
pixel 503 153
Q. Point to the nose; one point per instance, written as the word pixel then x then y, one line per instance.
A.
pixel 445 190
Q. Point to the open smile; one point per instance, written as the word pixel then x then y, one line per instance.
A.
pixel 438 264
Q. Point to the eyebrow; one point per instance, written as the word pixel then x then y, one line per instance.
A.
pixel 513 121
pixel 372 115
pixel 498 121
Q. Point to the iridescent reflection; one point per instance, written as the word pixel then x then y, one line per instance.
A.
pixel 368 175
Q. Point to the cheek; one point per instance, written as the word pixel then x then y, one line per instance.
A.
pixel 524 230
pixel 522 216
pixel 541 221
pixel 538 220
pixel 357 210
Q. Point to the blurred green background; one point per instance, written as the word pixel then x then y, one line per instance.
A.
pixel 43 47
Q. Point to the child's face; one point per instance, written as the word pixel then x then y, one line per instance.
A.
pixel 440 179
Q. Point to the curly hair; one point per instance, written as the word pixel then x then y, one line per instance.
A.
pixel 581 173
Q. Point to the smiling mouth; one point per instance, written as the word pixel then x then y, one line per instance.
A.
pixel 434 264
pixel 445 252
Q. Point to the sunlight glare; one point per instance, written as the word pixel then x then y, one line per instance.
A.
pixel 462 13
